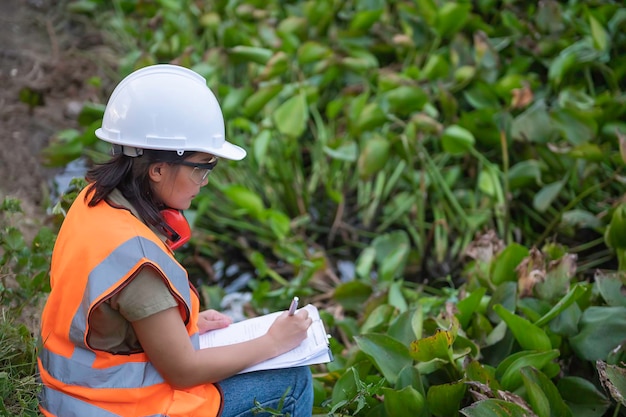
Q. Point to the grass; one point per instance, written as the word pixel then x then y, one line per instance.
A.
pixel 18 363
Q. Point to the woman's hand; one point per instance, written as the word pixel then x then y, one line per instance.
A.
pixel 288 331
pixel 212 320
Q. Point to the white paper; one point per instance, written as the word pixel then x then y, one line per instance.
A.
pixel 313 350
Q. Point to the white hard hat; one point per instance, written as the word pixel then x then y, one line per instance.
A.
pixel 166 107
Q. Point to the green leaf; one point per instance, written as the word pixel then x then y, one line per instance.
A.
pixel 261 145
pixel 533 125
pixel 481 96
pixel 66 146
pixel 475 371
pixel 560 66
pixel 417 322
pixel 392 251
pixel 291 117
pixel 601 330
pixel 410 377
pixel 489 183
pixel 365 262
pixel 467 306
pixel 31 97
pixel 246 199
pixel 574 294
pixel 251 54
pixel 437 346
pixel 544 198
pixel 389 355
pixel 436 67
pixel 529 336
pixel 505 294
pixel 494 408
pixel 233 101
pixel 82 6
pixel 451 17
pixel 588 151
pixel 348 151
pixel 352 295
pixel 524 173
pixel 580 219
pixel 598 34
pixel 583 397
pixel 543 395
pixel 405 100
pixel 371 117
pixel 443 400
pixel 276 66
pixel 91 112
pixel 615 234
pixel 278 221
pixel 401 328
pixel 611 288
pixel 557 278
pixel 395 297
pixel 255 102
pixel 312 51
pixel 577 127
pixel 373 157
pixel 404 402
pixel 566 323
pixel 346 387
pixel 378 319
pixel 427 10
pixel 509 369
pixel 537 398
pixel 364 19
pixel 505 263
pixel 457 140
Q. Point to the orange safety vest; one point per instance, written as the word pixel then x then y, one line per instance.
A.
pixel 97 252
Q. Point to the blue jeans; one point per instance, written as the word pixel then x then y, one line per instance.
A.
pixel 267 388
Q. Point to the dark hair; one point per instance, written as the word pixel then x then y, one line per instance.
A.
pixel 130 176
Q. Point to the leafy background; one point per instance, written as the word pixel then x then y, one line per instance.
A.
pixel 442 178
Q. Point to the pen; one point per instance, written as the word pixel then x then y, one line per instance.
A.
pixel 293 306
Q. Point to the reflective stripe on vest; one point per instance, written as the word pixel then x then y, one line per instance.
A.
pixel 77 370
pixel 73 407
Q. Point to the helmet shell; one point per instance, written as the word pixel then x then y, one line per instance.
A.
pixel 166 107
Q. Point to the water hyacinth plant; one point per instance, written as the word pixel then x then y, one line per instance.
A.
pixel 443 177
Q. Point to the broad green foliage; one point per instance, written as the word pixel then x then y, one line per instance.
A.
pixel 23 265
pixel 438 118
pixel 465 158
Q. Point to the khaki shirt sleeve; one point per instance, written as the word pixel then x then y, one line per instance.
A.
pixel 144 296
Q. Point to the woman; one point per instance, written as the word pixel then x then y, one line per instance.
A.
pixel 120 328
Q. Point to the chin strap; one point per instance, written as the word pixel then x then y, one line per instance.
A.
pixel 179 229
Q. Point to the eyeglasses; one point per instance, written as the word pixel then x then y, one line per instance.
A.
pixel 200 170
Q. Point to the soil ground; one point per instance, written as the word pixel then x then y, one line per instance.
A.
pixel 45 51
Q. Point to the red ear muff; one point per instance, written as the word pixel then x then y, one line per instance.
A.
pixel 179 228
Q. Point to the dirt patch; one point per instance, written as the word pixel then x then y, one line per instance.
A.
pixel 52 55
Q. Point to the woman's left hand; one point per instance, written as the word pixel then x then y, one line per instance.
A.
pixel 211 320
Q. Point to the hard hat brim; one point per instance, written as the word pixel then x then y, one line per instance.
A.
pixel 227 150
